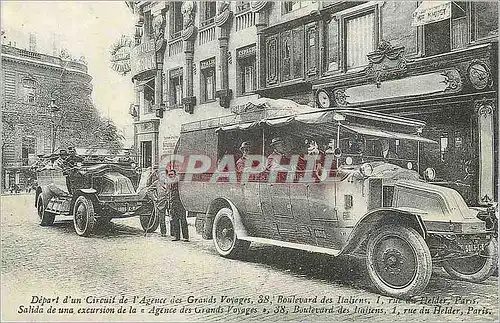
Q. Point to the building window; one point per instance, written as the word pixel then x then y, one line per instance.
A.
pixel 484 20
pixel 149 96
pixel 246 70
pixel 289 6
pixel 27 149
pixel 208 12
pixel 176 20
pixel 360 39
pixel 175 85
pixel 443 36
pixel 148 26
pixel 30 98
pixel 207 87
pixel 29 87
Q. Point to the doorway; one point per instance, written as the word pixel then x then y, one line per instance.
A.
pixel 146 154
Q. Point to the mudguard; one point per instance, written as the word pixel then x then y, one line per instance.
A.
pixel 393 215
pixel 87 190
pixel 217 204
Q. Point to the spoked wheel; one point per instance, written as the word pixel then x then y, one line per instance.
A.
pixel 474 269
pixel 225 240
pixel 151 219
pixel 84 216
pixel 398 261
pixel 45 218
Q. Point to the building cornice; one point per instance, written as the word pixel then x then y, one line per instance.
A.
pixel 41 64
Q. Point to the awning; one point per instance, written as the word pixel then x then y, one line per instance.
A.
pixel 367 131
pixel 431 11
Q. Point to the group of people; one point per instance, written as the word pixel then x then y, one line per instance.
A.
pixel 278 160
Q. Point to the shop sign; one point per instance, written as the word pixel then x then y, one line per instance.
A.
pixel 143 57
pixel 447 81
pixel 246 52
pixel 169 143
pixel 207 63
pixel 431 11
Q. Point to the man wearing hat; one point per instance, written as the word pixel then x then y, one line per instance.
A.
pixel 277 158
pixel 245 149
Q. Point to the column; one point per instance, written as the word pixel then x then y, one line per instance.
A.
pixel 486 137
pixel 260 24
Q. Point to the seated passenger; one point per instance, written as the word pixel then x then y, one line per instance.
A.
pixel 277 161
pixel 277 158
pixel 386 152
pixel 240 163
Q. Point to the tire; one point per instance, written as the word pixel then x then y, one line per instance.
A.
pixel 398 261
pixel 225 241
pixel 84 216
pixel 151 221
pixel 45 218
pixel 475 269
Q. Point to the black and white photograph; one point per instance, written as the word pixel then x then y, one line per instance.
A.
pixel 203 161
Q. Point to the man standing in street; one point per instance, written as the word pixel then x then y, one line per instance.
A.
pixel 176 210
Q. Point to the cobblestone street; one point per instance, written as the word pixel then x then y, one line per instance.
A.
pixel 176 281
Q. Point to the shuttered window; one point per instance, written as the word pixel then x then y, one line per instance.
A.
pixel 360 39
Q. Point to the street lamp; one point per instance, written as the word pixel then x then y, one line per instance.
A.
pixel 53 109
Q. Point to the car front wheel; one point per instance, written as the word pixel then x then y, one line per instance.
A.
pixel 84 216
pixel 475 269
pixel 225 240
pixel 398 261
pixel 45 218
pixel 150 220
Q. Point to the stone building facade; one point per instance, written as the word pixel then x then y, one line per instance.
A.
pixel 435 61
pixel 30 80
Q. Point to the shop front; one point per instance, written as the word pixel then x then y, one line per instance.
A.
pixel 455 93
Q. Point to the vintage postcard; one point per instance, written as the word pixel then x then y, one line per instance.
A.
pixel 199 161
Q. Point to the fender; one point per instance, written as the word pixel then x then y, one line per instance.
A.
pixel 83 191
pixel 219 203
pixel 393 215
pixel 87 191
pixel 46 193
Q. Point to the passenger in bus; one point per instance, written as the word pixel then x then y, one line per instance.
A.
pixel 386 152
pixel 245 150
pixel 277 161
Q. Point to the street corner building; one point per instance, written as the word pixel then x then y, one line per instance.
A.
pixel 433 61
pixel 36 88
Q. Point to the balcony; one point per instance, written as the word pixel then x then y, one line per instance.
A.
pixel 175 46
pixel 207 34
pixel 244 20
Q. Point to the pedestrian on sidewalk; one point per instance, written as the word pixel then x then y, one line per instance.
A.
pixel 176 210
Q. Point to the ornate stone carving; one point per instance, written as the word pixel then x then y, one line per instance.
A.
pixel 158 26
pixel 452 80
pixel 386 62
pixel 188 11
pixel 484 108
pixel 479 75
pixel 224 14
pixel 340 97
pixel 258 5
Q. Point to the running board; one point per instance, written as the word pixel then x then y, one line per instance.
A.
pixel 292 245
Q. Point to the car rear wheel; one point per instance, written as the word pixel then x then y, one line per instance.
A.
pixel 225 240
pixel 84 216
pixel 398 261
pixel 474 269
pixel 151 220
pixel 45 218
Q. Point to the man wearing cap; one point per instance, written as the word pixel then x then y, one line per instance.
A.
pixel 240 163
pixel 277 160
